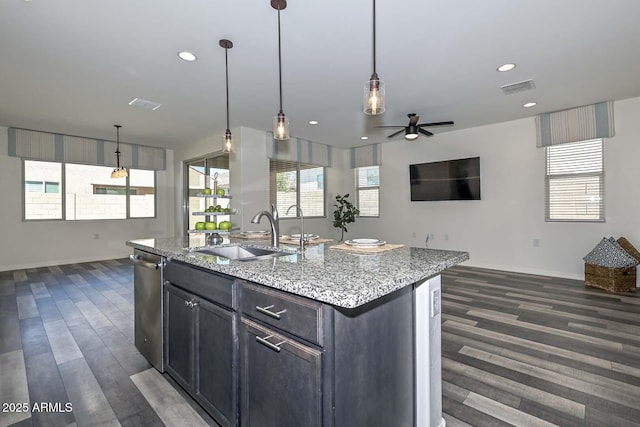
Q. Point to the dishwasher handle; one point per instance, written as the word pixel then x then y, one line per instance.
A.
pixel 137 259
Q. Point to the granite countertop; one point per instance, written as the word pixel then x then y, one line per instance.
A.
pixel 333 276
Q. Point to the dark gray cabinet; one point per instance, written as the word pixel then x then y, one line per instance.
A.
pixel 201 342
pixel 281 379
pixel 258 357
pixel 179 339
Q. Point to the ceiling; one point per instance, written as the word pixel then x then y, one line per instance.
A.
pixel 72 66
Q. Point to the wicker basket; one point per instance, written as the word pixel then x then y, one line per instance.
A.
pixel 613 279
pixel 610 279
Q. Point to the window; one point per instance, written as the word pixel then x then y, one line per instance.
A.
pixel 89 192
pixel 40 201
pixel 297 184
pixel 368 190
pixel 575 181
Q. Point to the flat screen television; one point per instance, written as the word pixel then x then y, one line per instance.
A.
pixel 447 180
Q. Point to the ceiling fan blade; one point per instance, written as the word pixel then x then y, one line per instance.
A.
pixel 425 132
pixel 413 119
pixel 390 126
pixel 437 124
pixel 395 133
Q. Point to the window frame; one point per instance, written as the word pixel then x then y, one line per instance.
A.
pixel 548 178
pixel 62 188
pixel 298 168
pixel 358 189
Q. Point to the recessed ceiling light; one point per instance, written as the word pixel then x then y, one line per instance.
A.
pixel 530 104
pixel 364 137
pixel 506 67
pixel 313 122
pixel 187 56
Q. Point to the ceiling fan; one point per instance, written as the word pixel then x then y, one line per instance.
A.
pixel 414 129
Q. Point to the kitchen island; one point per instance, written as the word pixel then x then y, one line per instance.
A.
pixel 328 338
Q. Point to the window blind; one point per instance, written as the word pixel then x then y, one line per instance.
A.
pixel 299 150
pixel 50 147
pixel 575 182
pixel 575 124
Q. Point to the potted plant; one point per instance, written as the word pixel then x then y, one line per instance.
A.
pixel 344 214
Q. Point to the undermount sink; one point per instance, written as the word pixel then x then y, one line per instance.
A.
pixel 243 253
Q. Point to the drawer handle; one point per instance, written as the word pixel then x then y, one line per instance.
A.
pixel 265 310
pixel 263 341
pixel 191 304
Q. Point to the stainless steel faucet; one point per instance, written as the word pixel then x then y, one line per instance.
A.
pixel 274 220
pixel 303 238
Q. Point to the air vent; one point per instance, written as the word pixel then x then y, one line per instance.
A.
pixel 144 103
pixel 512 88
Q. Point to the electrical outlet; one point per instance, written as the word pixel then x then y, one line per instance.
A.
pixel 96 236
pixel 413 234
pixel 536 242
pixel 446 236
pixel 435 302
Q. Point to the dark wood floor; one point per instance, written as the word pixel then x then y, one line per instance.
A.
pixel 531 350
pixel 517 350
pixel 67 352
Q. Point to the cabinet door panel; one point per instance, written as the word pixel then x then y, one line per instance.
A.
pixel 179 335
pixel 279 388
pixel 216 367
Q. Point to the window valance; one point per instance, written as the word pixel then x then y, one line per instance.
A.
pixel 575 124
pixel 299 151
pixel 52 147
pixel 366 155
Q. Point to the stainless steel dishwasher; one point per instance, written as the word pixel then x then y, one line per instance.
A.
pixel 148 279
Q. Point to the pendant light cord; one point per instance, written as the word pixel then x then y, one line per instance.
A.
pixel 374 37
pixel 226 67
pixel 117 146
pixel 280 60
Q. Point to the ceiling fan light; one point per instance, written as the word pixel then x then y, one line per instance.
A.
pixel 411 132
pixel 281 127
pixel 374 97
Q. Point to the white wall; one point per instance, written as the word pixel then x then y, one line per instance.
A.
pixel 44 243
pixel 499 230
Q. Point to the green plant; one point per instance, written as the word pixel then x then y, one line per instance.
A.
pixel 344 214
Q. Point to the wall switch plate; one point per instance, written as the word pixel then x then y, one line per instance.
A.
pixel 435 302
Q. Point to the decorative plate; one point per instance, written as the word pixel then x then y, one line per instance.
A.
pixel 306 235
pixel 363 243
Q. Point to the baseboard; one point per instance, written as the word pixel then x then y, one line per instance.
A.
pixel 61 262
pixel 534 271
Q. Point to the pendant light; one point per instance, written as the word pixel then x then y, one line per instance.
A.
pixel 119 171
pixel 280 122
pixel 374 88
pixel 228 142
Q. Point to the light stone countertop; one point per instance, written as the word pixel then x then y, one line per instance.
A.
pixel 337 277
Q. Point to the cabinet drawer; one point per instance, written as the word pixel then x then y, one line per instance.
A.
pixel 210 286
pixel 299 316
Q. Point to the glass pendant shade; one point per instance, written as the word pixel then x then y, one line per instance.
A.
pixel 227 144
pixel 281 127
pixel 119 171
pixel 374 99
